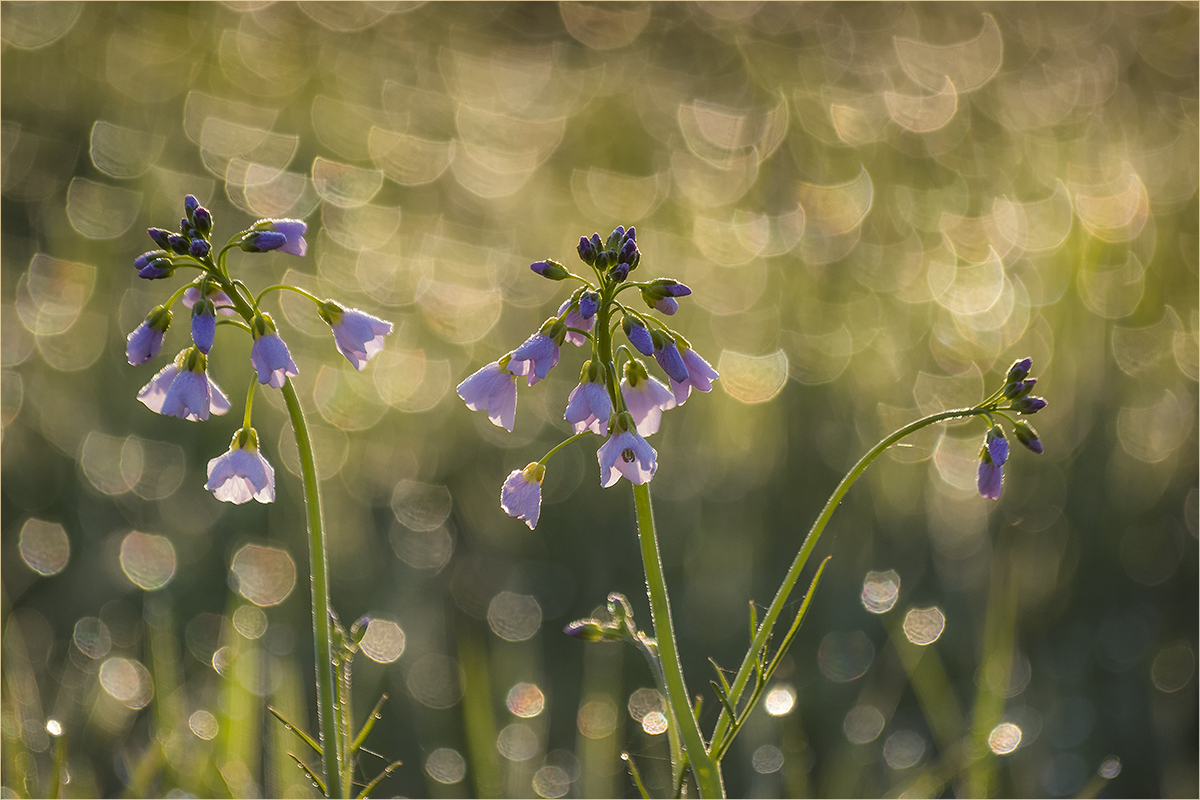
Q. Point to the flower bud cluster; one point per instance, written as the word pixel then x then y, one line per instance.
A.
pixel 182 388
pixel 619 401
pixel 994 452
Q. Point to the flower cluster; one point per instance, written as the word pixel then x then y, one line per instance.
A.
pixel 994 452
pixel 616 399
pixel 183 388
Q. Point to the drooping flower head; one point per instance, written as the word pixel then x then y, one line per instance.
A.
pixel 204 325
pixel 539 353
pixel 626 454
pixel 493 389
pixel 241 474
pixel 357 334
pixel 183 389
pixel 589 406
pixel 270 356
pixel 667 354
pixel 576 319
pixel 700 375
pixel 154 264
pixel 521 494
pixel 990 477
pixel 1027 436
pixel 146 340
pixel 645 397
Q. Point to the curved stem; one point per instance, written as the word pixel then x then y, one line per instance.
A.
pixel 327 717
pixel 563 444
pixel 295 289
pixel 810 542
pixel 706 771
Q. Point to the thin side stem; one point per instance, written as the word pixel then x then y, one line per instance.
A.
pixel 706 771
pixel 327 717
pixel 810 542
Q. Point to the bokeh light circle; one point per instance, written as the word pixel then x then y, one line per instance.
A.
pixel 1004 738
pixel 44 546
pixel 147 560
pixel 383 641
pixel 526 700
pixel 923 626
pixel 263 575
pixel 446 765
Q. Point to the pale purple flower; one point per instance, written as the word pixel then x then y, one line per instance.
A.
pixel 357 334
pixel 271 359
pixel 183 389
pixel 535 357
pixel 700 376
pixel 145 342
pixel 493 389
pixel 241 474
pixel 589 407
pixel 646 400
pixel 574 320
pixel 990 478
pixel 521 494
pixel 221 300
pixel 626 453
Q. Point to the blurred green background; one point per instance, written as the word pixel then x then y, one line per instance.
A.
pixel 878 206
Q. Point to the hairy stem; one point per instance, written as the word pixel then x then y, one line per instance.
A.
pixel 706 771
pixel 810 542
pixel 327 717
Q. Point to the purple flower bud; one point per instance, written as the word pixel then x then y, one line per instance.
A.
pixel 1018 389
pixel 154 264
pixel 629 252
pixel 199 248
pixel 262 241
pixel 614 238
pixel 676 289
pixel 1027 436
pixel 202 218
pixel 190 204
pixel 638 336
pixel 671 361
pixel 631 234
pixel 549 269
pixel 666 305
pixel 619 273
pixel 1028 405
pixel 1019 370
pixel 588 249
pixel 160 237
pixel 179 244
pixel 204 325
pixel 589 304
pixel 292 230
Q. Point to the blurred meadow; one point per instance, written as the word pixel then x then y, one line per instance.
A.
pixel 878 208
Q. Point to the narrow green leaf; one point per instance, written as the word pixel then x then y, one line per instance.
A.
pixel 721 696
pixel 637 776
pixel 721 675
pixel 367 726
pixel 308 771
pixel 308 740
pixel 753 621
pixel 387 771
pixel 791 634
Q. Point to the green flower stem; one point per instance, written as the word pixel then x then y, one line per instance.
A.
pixel 706 771
pixel 327 716
pixel 810 542
pixel 295 289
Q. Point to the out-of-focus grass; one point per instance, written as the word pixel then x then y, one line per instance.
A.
pixel 866 243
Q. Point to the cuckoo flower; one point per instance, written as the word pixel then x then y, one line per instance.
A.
pixel 575 319
pixel 539 353
pixel 700 376
pixel 493 389
pixel 626 453
pixel 521 494
pixel 645 397
pixel 589 406
pixel 147 338
pixel 183 389
pixel 357 334
pixel 241 474
pixel 270 356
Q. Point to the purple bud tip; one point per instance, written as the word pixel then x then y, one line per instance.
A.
pixel 199 248
pixel 677 290
pixel 1029 405
pixel 619 273
pixel 202 219
pixel 589 304
pixel 160 237
pixel 1019 370
pixel 263 241
pixel 179 244
pixel 191 204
